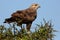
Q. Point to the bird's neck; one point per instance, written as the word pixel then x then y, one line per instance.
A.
pixel 33 9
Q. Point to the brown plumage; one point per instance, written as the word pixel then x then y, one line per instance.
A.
pixel 26 16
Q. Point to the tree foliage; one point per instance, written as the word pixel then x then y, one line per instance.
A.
pixel 44 32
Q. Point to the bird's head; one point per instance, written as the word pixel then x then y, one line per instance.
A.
pixel 35 6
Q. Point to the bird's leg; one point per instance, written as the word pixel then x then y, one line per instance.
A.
pixel 28 26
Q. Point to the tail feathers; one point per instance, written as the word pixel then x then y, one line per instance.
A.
pixel 9 20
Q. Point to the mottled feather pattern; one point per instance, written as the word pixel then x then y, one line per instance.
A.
pixel 26 16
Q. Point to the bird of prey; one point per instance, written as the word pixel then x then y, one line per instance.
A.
pixel 26 16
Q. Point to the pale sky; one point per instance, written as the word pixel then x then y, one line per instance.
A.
pixel 50 10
